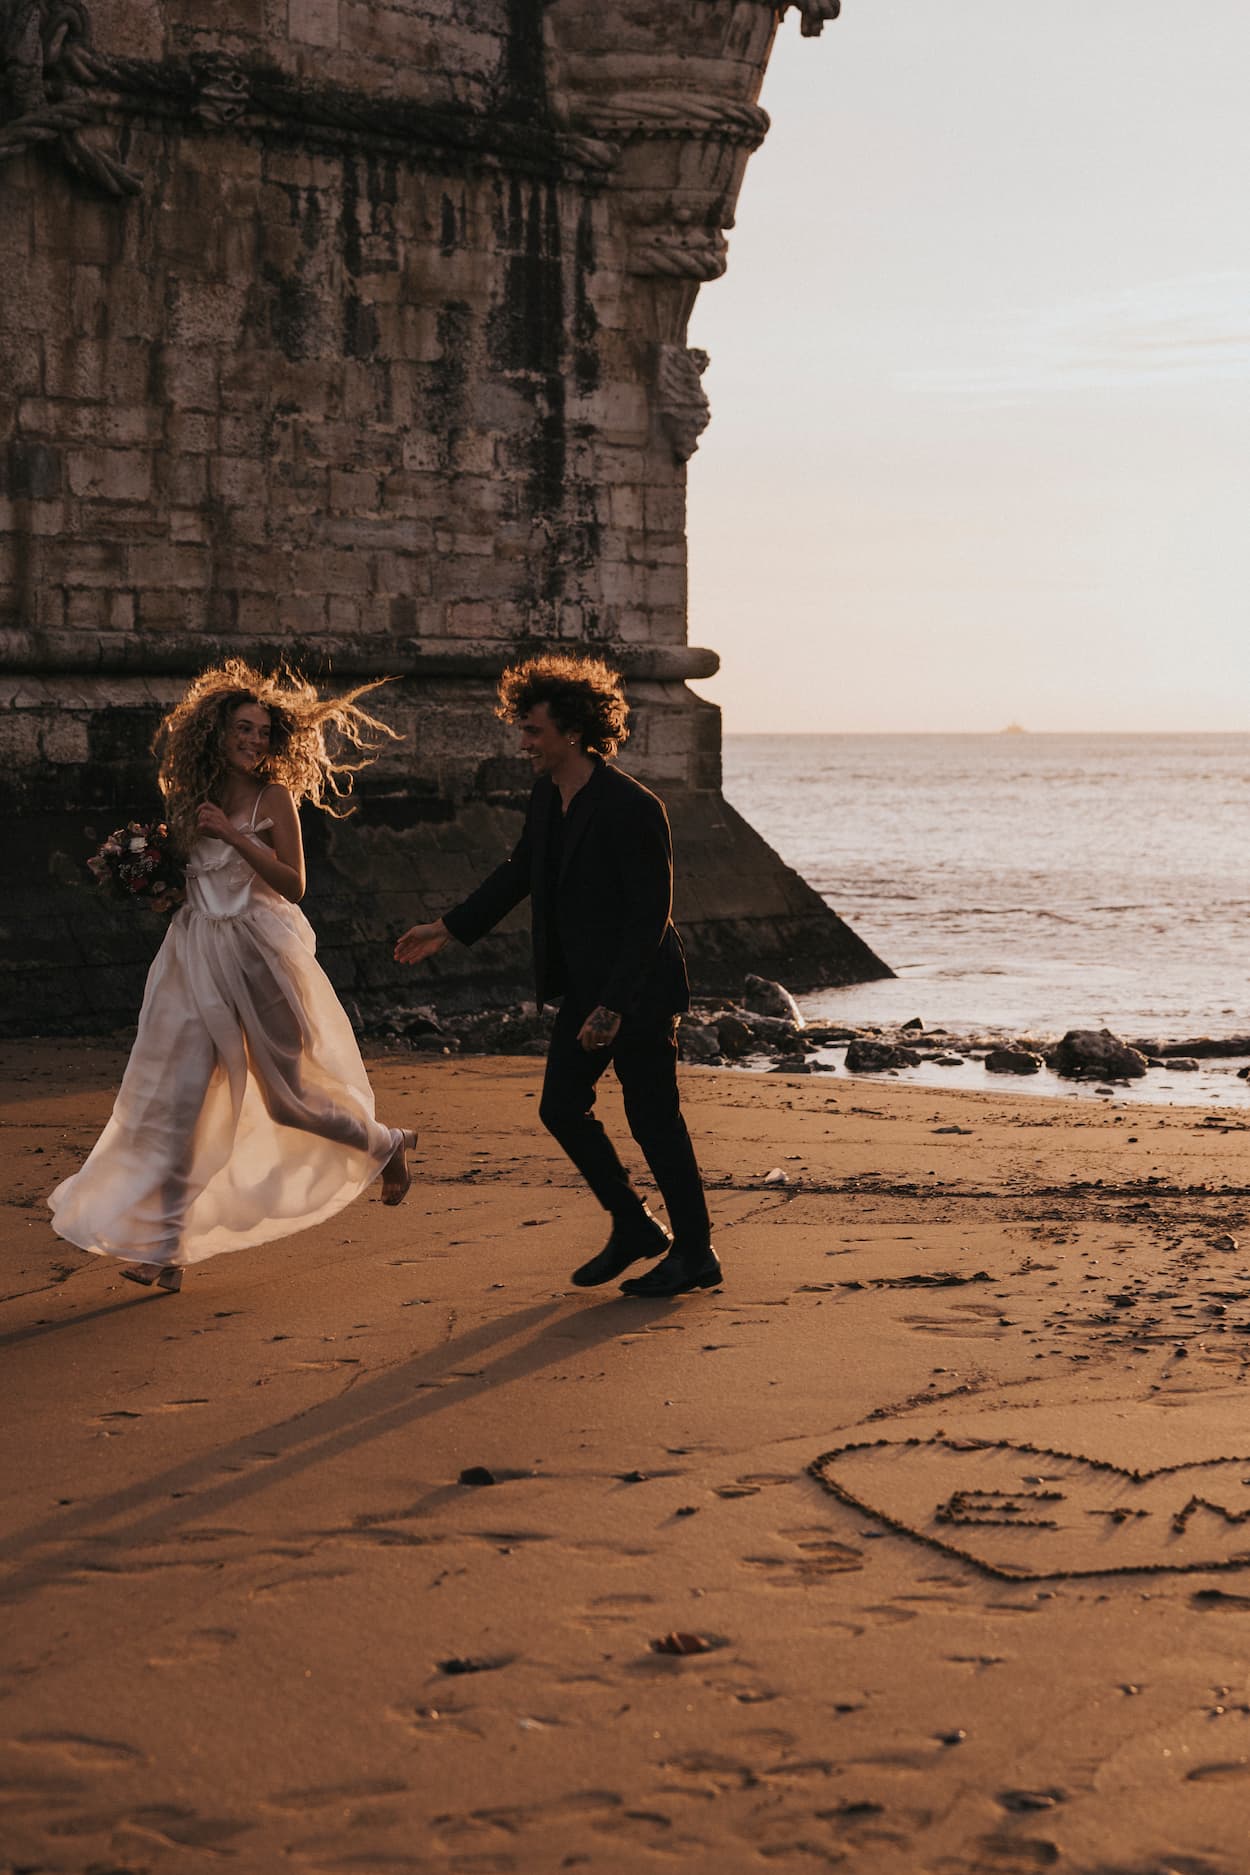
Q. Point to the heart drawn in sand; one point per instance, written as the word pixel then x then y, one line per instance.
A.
pixel 1024 1513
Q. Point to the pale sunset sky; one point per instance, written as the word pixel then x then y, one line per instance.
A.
pixel 980 378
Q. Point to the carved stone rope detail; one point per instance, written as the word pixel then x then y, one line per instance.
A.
pixel 681 254
pixel 680 114
pixel 47 67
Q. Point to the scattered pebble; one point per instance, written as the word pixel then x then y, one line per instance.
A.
pixel 477 1474
pixel 677 1643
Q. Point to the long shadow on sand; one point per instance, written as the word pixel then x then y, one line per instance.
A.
pixel 95 1535
pixel 18 1337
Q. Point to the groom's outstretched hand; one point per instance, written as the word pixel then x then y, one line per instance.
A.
pixel 599 1029
pixel 421 942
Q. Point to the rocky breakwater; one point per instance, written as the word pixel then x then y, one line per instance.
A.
pixel 769 1030
pixel 765 1030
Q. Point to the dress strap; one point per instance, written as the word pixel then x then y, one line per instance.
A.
pixel 255 804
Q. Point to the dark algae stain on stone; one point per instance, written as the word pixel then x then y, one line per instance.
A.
pixel 586 369
pixel 360 328
pixel 524 64
pixel 449 375
pixel 450 232
pixel 291 306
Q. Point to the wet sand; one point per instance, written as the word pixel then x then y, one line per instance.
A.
pixel 949 1488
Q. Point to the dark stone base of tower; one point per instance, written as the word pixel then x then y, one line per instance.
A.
pixel 73 963
pixel 353 332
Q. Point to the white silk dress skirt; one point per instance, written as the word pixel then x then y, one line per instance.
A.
pixel 245 1112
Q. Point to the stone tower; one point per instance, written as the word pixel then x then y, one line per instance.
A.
pixel 352 332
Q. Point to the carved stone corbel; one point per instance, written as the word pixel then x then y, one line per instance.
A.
pixel 684 408
pixel 674 238
pixel 47 70
pixel 673 88
pixel 814 14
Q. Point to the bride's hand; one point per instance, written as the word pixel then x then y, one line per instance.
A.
pixel 210 820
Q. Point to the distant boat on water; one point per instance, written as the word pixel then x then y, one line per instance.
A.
pixel 1014 729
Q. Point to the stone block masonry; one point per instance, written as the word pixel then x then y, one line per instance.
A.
pixel 354 334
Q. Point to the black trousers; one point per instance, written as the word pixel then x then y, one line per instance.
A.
pixel 644 1055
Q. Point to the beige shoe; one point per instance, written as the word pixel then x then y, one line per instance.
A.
pixel 396 1178
pixel 166 1276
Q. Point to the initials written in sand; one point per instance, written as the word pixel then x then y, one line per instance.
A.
pixel 1025 1513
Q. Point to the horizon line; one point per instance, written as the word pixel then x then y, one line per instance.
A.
pixel 997 734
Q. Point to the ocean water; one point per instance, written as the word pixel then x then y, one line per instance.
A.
pixel 1022 882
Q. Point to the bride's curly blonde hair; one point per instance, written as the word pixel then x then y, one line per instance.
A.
pixel 190 742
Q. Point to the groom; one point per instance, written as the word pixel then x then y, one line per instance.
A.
pixel 595 859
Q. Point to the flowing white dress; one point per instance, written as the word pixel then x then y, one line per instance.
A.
pixel 245 1112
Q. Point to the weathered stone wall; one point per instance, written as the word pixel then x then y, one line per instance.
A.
pixel 355 333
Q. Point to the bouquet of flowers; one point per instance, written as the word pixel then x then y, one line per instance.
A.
pixel 138 863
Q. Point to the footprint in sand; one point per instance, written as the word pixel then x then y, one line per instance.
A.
pixel 811 1559
pixel 323 1796
pixel 968 1321
pixel 166 1824
pixel 608 1551
pixel 768 1738
pixel 95 1753
pixel 40 1796
pixel 593 1807
pixel 194 1648
pixel 1233 1770
pixel 724 1773
pixel 1007 1855
pixel 607 1611
pixel 281 1585
pixel 450 1723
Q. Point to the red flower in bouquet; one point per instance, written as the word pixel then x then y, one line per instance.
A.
pixel 138 862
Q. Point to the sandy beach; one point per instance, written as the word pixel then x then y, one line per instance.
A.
pixel 947 1490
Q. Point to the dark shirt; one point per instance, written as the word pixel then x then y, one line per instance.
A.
pixel 557 966
pixel 601 908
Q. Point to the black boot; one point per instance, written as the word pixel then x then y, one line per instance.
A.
pixel 643 1236
pixel 680 1270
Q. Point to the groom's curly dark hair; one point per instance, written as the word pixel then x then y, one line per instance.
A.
pixel 584 696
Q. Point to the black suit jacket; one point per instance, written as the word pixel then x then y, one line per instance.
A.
pixel 603 931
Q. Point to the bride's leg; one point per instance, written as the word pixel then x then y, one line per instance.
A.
pixel 163 1098
pixel 276 1054
pixel 196 1059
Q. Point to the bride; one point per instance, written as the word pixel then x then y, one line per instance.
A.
pixel 245 1112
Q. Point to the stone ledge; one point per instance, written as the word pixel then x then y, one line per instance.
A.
pixel 104 654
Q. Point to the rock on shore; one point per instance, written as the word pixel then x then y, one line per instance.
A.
pixel 1013 1061
pixel 1087 1054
